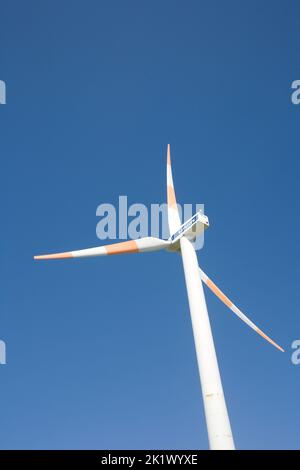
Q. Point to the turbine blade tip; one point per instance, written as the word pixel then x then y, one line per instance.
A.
pixel 67 254
pixel 169 154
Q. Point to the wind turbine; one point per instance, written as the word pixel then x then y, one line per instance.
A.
pixel 180 240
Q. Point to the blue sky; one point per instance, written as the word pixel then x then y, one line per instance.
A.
pixel 100 351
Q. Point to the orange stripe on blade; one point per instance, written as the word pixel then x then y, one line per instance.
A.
pixel 168 155
pixel 67 254
pixel 218 293
pixel 124 247
pixel 261 333
pixel 171 197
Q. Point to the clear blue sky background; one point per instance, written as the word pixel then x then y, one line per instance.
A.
pixel 100 351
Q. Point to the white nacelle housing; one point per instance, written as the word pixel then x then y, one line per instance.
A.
pixel 191 228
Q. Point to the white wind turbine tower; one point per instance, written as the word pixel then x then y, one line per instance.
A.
pixel 217 420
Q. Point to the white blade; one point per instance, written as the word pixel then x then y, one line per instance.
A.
pixel 173 214
pixel 235 309
pixel 132 246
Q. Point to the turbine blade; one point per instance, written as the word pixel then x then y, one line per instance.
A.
pixel 132 246
pixel 212 286
pixel 173 214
